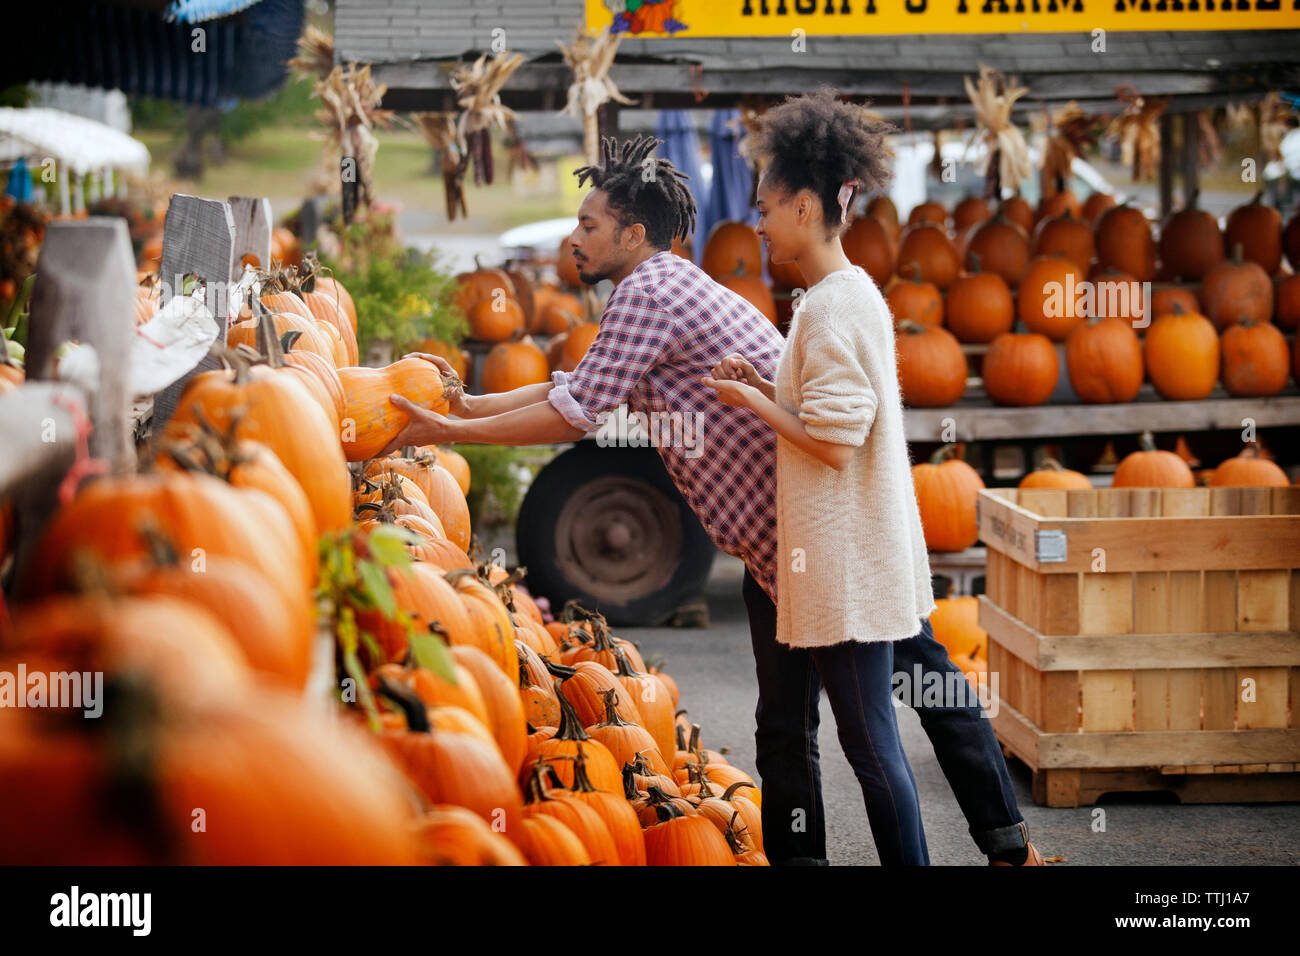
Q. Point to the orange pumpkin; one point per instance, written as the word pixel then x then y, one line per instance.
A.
pixel 931 366
pixel 1103 357
pixel 928 211
pixel 980 307
pixel 1067 236
pixel 882 209
pixel 1255 359
pixel 454 355
pixel 1258 230
pixel 1124 242
pixel 752 288
pixel 1020 369
pixel 785 275
pixel 512 365
pixel 573 346
pixel 483 285
pixel 555 312
pixel 495 320
pixel 1236 289
pixel 1182 355
pixel 1149 467
pixel 370 419
pixel 969 212
pixel 333 289
pixel 927 246
pixel 1286 298
pixel 955 622
pixel 1017 209
pixel 1095 205
pixel 1190 244
pixel 1166 300
pixel 732 246
pixel 566 267
pixel 311 337
pixel 1061 202
pixel 1051 474
pixel 1000 246
pixel 869 244
pixel 916 301
pixel 946 491
pixel 1291 241
pixel 1249 469
pixel 1048 298
pixel 326 309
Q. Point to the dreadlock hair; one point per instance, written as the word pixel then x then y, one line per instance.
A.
pixel 652 192
pixel 819 142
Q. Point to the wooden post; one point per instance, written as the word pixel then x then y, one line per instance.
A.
pixel 252 218
pixel 198 239
pixel 85 290
pixel 1166 164
pixel 1191 157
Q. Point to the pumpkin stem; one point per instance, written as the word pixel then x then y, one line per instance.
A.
pixel 630 791
pixel 974 259
pixel 945 453
pixel 570 725
pixel 1147 441
pixel 731 790
pixel 612 716
pixel 581 782
pixel 1238 253
pixel 417 718
pixel 535 790
pixel 916 270
pixel 910 327
pixel 161 550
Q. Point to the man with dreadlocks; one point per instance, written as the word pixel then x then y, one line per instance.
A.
pixel 664 330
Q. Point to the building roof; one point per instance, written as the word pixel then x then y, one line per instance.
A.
pixel 415 44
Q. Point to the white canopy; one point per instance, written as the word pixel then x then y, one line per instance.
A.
pixel 77 144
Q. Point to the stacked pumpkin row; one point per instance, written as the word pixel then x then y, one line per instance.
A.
pixel 193 588
pixel 947 487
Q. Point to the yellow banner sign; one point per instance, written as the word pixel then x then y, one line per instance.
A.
pixel 652 19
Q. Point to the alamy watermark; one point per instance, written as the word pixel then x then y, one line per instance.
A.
pixel 73 690
pixel 654 430
pixel 948 688
pixel 1124 299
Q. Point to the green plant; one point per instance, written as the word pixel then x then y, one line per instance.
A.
pixel 402 296
pixel 497 488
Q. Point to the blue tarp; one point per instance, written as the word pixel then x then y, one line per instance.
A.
pixel 20 181
pixel 681 147
pixel 732 180
pixel 198 11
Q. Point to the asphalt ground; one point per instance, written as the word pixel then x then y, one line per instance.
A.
pixel 714 670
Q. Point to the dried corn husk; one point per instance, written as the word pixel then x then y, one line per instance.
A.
pixel 315 54
pixel 1273 114
pixel 1007 163
pixel 478 91
pixel 1072 131
pixel 1138 131
pixel 441 132
pixel 350 100
pixel 590 57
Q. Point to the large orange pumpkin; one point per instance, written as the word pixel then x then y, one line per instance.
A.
pixel 333 289
pixel 1095 205
pixel 928 211
pixel 1190 244
pixel 868 243
pixel 931 366
pixel 1068 236
pixel 1182 355
pixel 916 301
pixel 495 319
pixel 482 285
pixel 980 307
pixel 371 420
pixel 1017 209
pixel 1020 369
pixel 732 246
pixel 566 267
pixel 1103 357
pixel 1048 298
pixel 1255 359
pixel 1249 469
pixel 928 246
pixel 1235 290
pixel 1258 230
pixel 511 365
pixel 970 212
pixel 573 346
pixel 955 622
pixel 752 288
pixel 882 208
pixel 1052 474
pixel 946 491
pixel 1124 242
pixel 326 308
pixel 1001 246
pixel 1149 467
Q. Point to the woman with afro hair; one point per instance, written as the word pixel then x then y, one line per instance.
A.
pixel 853 574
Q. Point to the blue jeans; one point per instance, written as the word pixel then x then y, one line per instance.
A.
pixel 856 677
pixel 786 740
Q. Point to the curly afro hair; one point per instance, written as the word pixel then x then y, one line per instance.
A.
pixel 640 188
pixel 819 142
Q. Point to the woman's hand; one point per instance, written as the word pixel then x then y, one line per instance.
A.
pixel 733 392
pixel 736 367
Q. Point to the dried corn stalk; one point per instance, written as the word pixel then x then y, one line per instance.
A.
pixel 590 57
pixel 478 92
pixel 1072 132
pixel 1138 131
pixel 440 132
pixel 1007 161
pixel 1209 149
pixel 1273 114
pixel 315 54
pixel 350 111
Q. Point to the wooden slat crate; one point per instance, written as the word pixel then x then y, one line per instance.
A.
pixel 1125 626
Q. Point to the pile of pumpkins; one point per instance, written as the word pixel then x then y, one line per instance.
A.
pixel 203 589
pixel 507 307
pixel 1000 276
pixel 947 487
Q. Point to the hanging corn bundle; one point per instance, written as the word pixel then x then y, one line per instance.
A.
pixel 478 91
pixel 440 132
pixel 351 110
pixel 1072 132
pixel 1138 130
pixel 1273 116
pixel 590 57
pixel 1006 163
pixel 1209 148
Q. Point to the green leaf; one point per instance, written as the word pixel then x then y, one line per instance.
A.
pixel 429 651
pixel 387 545
pixel 352 665
pixel 375 586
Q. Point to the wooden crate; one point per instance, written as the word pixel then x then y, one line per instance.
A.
pixel 1125 625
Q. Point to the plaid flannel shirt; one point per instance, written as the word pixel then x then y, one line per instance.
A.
pixel 665 327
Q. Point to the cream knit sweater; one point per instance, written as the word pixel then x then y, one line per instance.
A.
pixel 852 563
